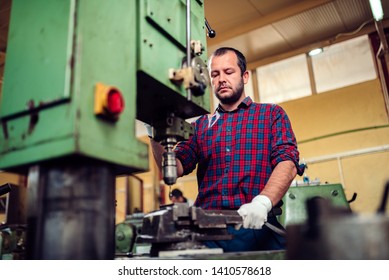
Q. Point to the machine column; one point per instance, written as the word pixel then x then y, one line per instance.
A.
pixel 71 211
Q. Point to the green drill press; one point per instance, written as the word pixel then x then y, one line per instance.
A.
pixel 77 75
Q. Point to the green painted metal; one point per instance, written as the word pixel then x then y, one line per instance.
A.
pixel 58 50
pixel 38 54
pixel 294 210
pixel 162 46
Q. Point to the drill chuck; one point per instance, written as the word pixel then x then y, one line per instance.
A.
pixel 169 166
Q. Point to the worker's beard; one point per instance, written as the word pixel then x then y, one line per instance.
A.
pixel 234 97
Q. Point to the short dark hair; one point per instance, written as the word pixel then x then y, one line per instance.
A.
pixel 241 58
pixel 176 193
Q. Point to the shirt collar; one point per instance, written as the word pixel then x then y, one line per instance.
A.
pixel 244 104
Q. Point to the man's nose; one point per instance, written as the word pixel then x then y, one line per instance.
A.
pixel 222 78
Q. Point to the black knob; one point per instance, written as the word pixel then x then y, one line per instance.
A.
pixel 211 32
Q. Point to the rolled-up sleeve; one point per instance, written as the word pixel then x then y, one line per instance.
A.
pixel 284 145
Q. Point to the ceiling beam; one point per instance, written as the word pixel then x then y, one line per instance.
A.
pixel 266 20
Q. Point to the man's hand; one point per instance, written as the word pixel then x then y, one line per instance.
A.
pixel 254 214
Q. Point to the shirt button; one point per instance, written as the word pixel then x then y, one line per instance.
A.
pixel 226 170
pixel 228 129
pixel 228 149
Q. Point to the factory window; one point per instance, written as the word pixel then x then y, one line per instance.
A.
pixel 343 64
pixel 339 65
pixel 284 80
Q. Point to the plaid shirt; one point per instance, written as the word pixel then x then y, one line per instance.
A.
pixel 236 152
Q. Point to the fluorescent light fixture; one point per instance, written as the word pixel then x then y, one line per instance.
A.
pixel 376 9
pixel 315 51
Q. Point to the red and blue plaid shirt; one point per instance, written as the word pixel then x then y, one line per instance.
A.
pixel 236 152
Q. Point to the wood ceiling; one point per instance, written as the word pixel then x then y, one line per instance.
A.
pixel 267 30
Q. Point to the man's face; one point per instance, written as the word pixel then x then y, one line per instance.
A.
pixel 176 199
pixel 226 78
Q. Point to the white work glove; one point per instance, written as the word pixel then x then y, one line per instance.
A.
pixel 254 214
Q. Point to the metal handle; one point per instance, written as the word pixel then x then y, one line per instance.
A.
pixel 382 207
pixel 211 32
pixel 188 48
pixel 6 188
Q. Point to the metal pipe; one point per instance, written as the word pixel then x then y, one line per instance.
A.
pixel 188 48
pixel 377 149
pixel 381 34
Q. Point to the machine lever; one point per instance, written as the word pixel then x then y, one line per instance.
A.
pixel 382 207
pixel 280 231
pixel 6 188
pixel 274 212
pixel 352 198
pixel 211 32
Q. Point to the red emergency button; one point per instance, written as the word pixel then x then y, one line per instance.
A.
pixel 109 102
pixel 115 104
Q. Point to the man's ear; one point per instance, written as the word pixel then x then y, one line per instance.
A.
pixel 246 76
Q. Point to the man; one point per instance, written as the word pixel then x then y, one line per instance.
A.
pixel 246 154
pixel 177 196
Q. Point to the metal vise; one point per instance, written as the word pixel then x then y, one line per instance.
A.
pixel 180 227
